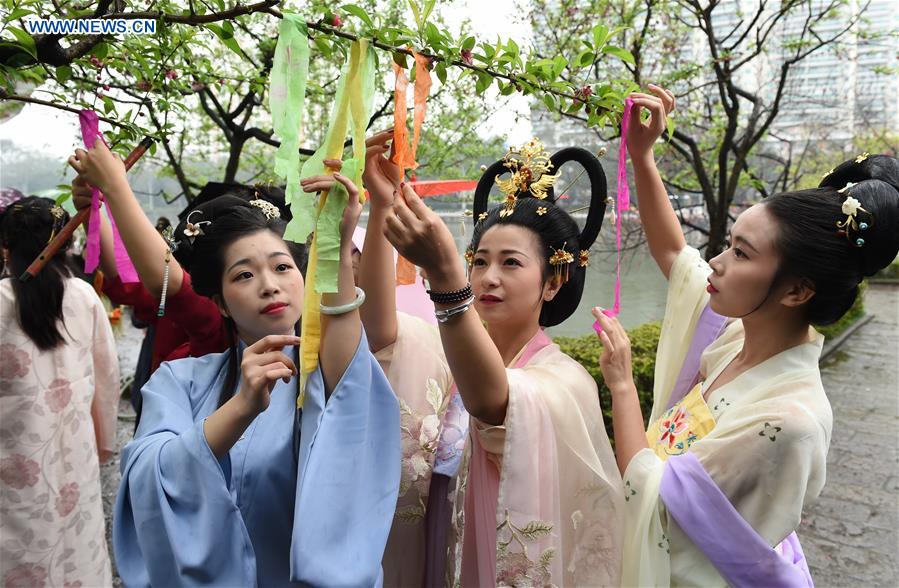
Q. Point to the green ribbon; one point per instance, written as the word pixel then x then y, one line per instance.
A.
pixel 352 105
pixel 287 100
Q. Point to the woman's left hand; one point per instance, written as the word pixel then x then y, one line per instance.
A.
pixel 615 360
pixel 419 235
pixel 353 207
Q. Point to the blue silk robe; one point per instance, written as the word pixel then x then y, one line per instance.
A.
pixel 259 516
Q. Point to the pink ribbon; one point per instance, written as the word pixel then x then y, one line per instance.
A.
pixel 90 130
pixel 623 202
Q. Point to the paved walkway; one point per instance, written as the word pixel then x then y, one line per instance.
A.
pixel 851 534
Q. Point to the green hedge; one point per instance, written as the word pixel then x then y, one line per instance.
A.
pixel 644 342
pixel 855 312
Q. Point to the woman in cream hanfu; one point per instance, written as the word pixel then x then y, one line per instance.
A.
pixel 542 495
pixel 737 441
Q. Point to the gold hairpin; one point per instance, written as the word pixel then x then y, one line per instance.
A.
pixel 469 257
pixel 559 259
pixel 530 166
pixel 584 258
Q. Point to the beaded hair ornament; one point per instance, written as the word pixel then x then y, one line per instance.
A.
pixel 854 222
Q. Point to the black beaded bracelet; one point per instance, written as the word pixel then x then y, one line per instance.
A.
pixel 450 297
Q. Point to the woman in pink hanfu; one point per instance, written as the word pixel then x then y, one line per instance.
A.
pixel 529 493
pixel 59 394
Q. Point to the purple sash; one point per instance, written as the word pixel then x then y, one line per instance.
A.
pixel 708 518
pixel 708 328
pixel 704 513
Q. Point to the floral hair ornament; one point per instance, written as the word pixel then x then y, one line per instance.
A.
pixel 193 230
pixel 862 157
pixel 851 207
pixel 469 257
pixel 530 166
pixel 559 259
pixel 268 209
pixel 58 213
pixel 583 259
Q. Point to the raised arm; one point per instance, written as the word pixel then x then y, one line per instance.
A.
pixel 477 366
pixel 663 230
pixel 340 332
pixel 81 198
pixel 377 273
pixel 145 246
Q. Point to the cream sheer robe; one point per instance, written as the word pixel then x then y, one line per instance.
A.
pixel 766 452
pixel 551 508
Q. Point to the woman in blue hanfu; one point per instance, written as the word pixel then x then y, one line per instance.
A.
pixel 227 482
pixel 737 440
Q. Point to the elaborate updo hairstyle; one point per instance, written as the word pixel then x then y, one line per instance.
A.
pixel 839 233
pixel 200 242
pixel 554 228
pixel 26 228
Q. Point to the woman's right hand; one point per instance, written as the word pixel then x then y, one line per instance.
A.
pixel 263 364
pixel 99 166
pixel 82 195
pixel 381 176
pixel 642 136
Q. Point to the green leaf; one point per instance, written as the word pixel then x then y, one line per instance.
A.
pixel 484 81
pixel 620 53
pixel 359 13
pixel 550 101
pixel 429 6
pixel 440 69
pixel 63 73
pixel 101 50
pixel 415 12
pixel 468 43
pixel 323 45
pixel 24 40
pixel 600 35
pixel 17 14
pixel 512 47
pixel 585 58
pixel 108 105
pixel 400 59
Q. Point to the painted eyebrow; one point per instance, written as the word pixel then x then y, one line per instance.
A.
pixel 506 252
pixel 246 260
pixel 745 242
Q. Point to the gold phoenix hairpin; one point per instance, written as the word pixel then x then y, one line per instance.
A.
pixel 530 167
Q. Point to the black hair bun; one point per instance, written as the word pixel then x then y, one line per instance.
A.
pixel 595 175
pixel 198 222
pixel 873 180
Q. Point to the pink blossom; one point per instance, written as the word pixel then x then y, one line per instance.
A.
pixel 25 575
pixel 13 362
pixel 336 22
pixel 67 499
pixel 144 86
pixel 18 471
pixel 466 57
pixel 58 395
pixel 171 74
